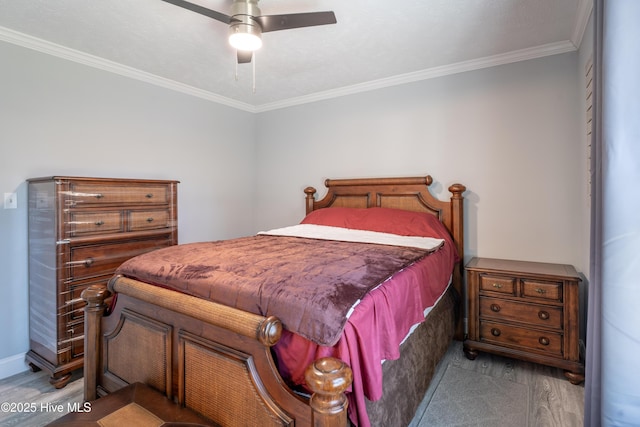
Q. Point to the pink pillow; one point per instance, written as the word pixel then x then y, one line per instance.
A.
pixel 385 220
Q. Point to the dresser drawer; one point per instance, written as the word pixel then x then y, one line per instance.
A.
pixel 89 223
pixel 551 291
pixel 531 314
pixel 85 194
pixel 529 339
pixel 501 284
pixel 149 220
pixel 73 303
pixel 73 339
pixel 97 260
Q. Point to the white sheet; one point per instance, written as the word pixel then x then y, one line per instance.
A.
pixel 324 232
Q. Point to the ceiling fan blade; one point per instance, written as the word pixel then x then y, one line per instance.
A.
pixel 244 56
pixel 201 10
pixel 294 20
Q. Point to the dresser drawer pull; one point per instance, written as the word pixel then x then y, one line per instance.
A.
pixel 150 219
pixel 543 340
pixel 540 291
pixel 88 262
pixel 149 195
pixel 495 308
pixel 99 196
pixel 544 315
pixel 99 223
pixel 497 285
pixel 495 332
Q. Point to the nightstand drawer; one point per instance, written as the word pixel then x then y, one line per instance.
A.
pixel 531 314
pixel 533 340
pixel 546 290
pixel 505 285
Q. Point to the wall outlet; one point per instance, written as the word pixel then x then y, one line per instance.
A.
pixel 10 201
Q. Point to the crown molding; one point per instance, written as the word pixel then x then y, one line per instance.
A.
pixel 431 73
pixel 63 52
pixel 53 49
pixel 585 7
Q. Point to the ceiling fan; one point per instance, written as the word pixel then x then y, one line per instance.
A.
pixel 246 24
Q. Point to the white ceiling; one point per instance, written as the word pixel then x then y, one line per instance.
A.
pixel 374 44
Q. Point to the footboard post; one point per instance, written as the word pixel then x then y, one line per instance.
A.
pixel 94 296
pixel 329 378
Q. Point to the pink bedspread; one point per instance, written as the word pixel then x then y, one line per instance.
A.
pixel 374 331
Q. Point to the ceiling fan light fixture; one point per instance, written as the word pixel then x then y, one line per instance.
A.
pixel 244 32
pixel 245 37
pixel 246 23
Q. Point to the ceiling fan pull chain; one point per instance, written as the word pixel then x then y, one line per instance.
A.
pixel 254 71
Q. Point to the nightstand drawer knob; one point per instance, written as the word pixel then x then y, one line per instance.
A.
pixel 497 285
pixel 495 332
pixel 543 340
pixel 540 291
pixel 544 315
pixel 99 223
pixel 495 308
pixel 88 262
pixel 150 219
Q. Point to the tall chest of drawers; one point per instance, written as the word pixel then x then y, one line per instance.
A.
pixel 525 310
pixel 80 231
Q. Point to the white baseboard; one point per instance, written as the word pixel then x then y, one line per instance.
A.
pixel 12 365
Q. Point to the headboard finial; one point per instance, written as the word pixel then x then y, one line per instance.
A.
pixel 457 190
pixel 310 192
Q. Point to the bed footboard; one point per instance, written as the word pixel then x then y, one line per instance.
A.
pixel 211 358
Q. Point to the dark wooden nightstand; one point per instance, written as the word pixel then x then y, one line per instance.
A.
pixel 525 310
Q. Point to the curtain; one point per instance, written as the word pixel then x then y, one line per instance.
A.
pixel 612 383
pixel 592 385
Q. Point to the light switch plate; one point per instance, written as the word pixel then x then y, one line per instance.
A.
pixel 10 201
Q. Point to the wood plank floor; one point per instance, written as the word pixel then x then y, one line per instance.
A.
pixel 35 402
pixel 554 401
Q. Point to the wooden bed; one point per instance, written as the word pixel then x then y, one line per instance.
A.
pixel 216 359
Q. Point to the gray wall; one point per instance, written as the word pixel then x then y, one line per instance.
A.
pixel 62 118
pixel 512 134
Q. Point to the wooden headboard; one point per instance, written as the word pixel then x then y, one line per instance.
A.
pixel 410 194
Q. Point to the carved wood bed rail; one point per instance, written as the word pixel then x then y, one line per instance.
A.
pixel 328 377
pixel 217 360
